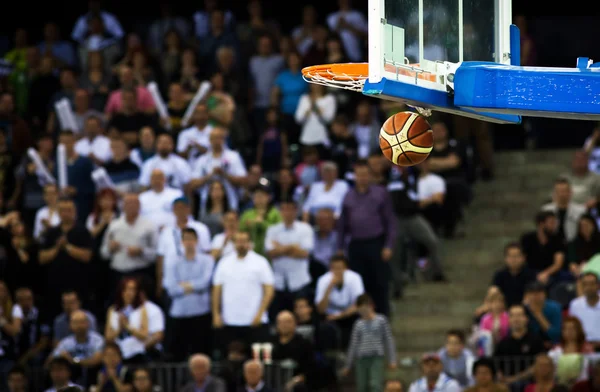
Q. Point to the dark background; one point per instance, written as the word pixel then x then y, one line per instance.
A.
pixel 561 33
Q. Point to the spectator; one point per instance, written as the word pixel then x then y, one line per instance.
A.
pixel 156 328
pixel 95 80
pixel 496 320
pixel 70 304
pixel 188 285
pixel 17 380
pixel 512 279
pixel 130 243
pixel 336 295
pixel 142 381
pixel 143 99
pixel 393 386
pixel 592 384
pixel 308 171
pixel 66 252
pixel 127 119
pixel 343 145
pixel 82 110
pixel 241 294
pixel 592 148
pixel 351 26
pixel 223 243
pixel 567 211
pixel 584 183
pixel 232 368
pixel 113 376
pixel 33 340
pixel 127 322
pixel 68 86
pixel 11 319
pixel 146 150
pixel 457 360
pixel 484 373
pixel 94 145
pixel 431 193
pixel 544 315
pixel 200 365
pixel 570 356
pixel 161 28
pixel 52 45
pixel 113 27
pixel 587 308
pixel 194 141
pixel 543 375
pixel 218 36
pixel 21 268
pixel 46 84
pixel 257 220
pixel 288 245
pixel 177 104
pixel 285 187
pixel 314 112
pixel 253 375
pixel 434 377
pixel 157 202
pixel 325 243
pixel 273 149
pixel 303 34
pixel 328 193
pixel 584 246
pixel 60 374
pixel 215 206
pixel 365 129
pixel 366 219
pixel 544 250
pixel 370 342
pixel 120 168
pixel 289 345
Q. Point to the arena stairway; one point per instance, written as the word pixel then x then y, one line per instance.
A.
pixel 501 211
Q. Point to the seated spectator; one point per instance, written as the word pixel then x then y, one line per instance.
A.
pixel 567 211
pixel 289 345
pixel 457 360
pixel 325 243
pixel 544 250
pixel 17 380
pixel 328 193
pixel 231 369
pixel 308 171
pixel 584 246
pixel 120 168
pixel 188 285
pixel 307 322
pixel 47 216
pixel 129 119
pixel 431 193
pixel 175 168
pixel 82 111
pixel 285 186
pixel 214 206
pixel 200 366
pixel 544 315
pixel 60 374
pixel 512 279
pixel 70 303
pixel 569 356
pixel 142 381
pixel 336 295
pixel 94 145
pixel 142 98
pixel 223 243
pixel 371 341
pixel 241 294
pixel 146 150
pixel 33 340
pixel 587 308
pixel 253 376
pixel 543 375
pixel 157 202
pixel 193 142
pixel 127 322
pixel 484 375
pixel 496 319
pixel 592 384
pixel 433 378
pixel 257 220
pixel 113 375
pixel 156 328
pixel 584 183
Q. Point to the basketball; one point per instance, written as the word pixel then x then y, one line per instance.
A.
pixel 406 139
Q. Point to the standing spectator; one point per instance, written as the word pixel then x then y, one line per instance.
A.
pixel 161 28
pixel 457 360
pixel 66 252
pixel 241 294
pixel 365 129
pixel 218 36
pixel 127 120
pixel 175 168
pixel 143 99
pixel 21 268
pixel 94 145
pixel 484 373
pixel 111 23
pixel 130 243
pixel 47 216
pixel 434 378
pixel 217 203
pixel 328 193
pixel 344 147
pixel 567 211
pixel 192 142
pixel 60 374
pixel 351 25
pixel 544 315
pixel 202 18
pixel 200 365
pixel 222 243
pixel 336 295
pixel 188 285
pixel 61 51
pixel 584 183
pixel 314 112
pixel 584 246
pixel 177 104
pixel 303 34
pixel 370 343
pixel 288 245
pixel 512 279
pixel 45 83
pixel 127 322
pixel 587 308
pixel 367 218
pixel 257 220
pixel 70 304
pixel 325 243
pixel 95 80
pixel 431 193
pixel 253 376
pixel 156 203
pixel 543 375
pixel 82 110
pixel 273 149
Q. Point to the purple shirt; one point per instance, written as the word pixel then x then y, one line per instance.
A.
pixel 367 215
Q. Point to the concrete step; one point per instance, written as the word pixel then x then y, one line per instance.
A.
pixel 416 308
pixel 516 158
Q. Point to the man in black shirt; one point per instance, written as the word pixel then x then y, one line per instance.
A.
pixel 544 251
pixel 512 279
pixel 66 255
pixel 130 120
pixel 344 147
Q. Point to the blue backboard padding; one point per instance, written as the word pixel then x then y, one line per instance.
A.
pixel 434 99
pixel 515 45
pixel 528 90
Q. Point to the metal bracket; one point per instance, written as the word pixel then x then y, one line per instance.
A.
pixel 449 71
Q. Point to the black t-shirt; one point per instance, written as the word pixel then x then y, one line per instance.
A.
pixel 538 256
pixel 516 355
pixel 131 123
pixel 343 152
pixel 175 117
pixel 402 186
pixel 299 350
pixel 513 286
pixel 66 272
pixel 451 148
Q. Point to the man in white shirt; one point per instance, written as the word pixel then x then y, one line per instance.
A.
pixel 328 193
pixel 188 284
pixel 175 168
pixel 351 25
pixel 94 144
pixel 434 379
pixel 157 202
pixel 288 245
pixel 587 308
pixel 242 292
pixel 219 163
pixel 222 243
pixel 170 244
pixel 336 295
pixel 193 142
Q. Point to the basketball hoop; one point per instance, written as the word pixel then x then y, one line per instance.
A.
pixel 352 76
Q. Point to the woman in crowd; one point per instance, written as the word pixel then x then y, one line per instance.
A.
pixel 105 211
pixel 47 216
pixel 543 375
pixel 484 373
pixel 496 319
pixel 113 376
pixel 190 72
pixel 96 80
pixel 127 322
pixel 215 206
pixel 23 268
pixel 569 356
pixel 142 381
pixel 584 246
pixel 142 71
pixel 272 149
pixel 315 111
pixel 170 59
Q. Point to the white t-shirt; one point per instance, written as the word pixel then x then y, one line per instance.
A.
pixel 176 170
pixel 349 39
pixel 129 344
pixel 242 282
pixel 319 198
pixel 156 317
pixel 340 299
pixel 100 147
pixel 217 244
pixel 429 185
pixel 314 131
pixel 191 136
pixel 291 273
pixel 41 214
pixel 159 206
pixel 589 317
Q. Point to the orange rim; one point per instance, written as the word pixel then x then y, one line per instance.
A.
pixel 358 71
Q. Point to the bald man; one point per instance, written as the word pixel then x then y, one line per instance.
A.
pixel 84 346
pixel 393 386
pixel 253 375
pixel 202 380
pixel 157 202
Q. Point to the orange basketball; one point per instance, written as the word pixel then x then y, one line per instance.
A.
pixel 406 138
